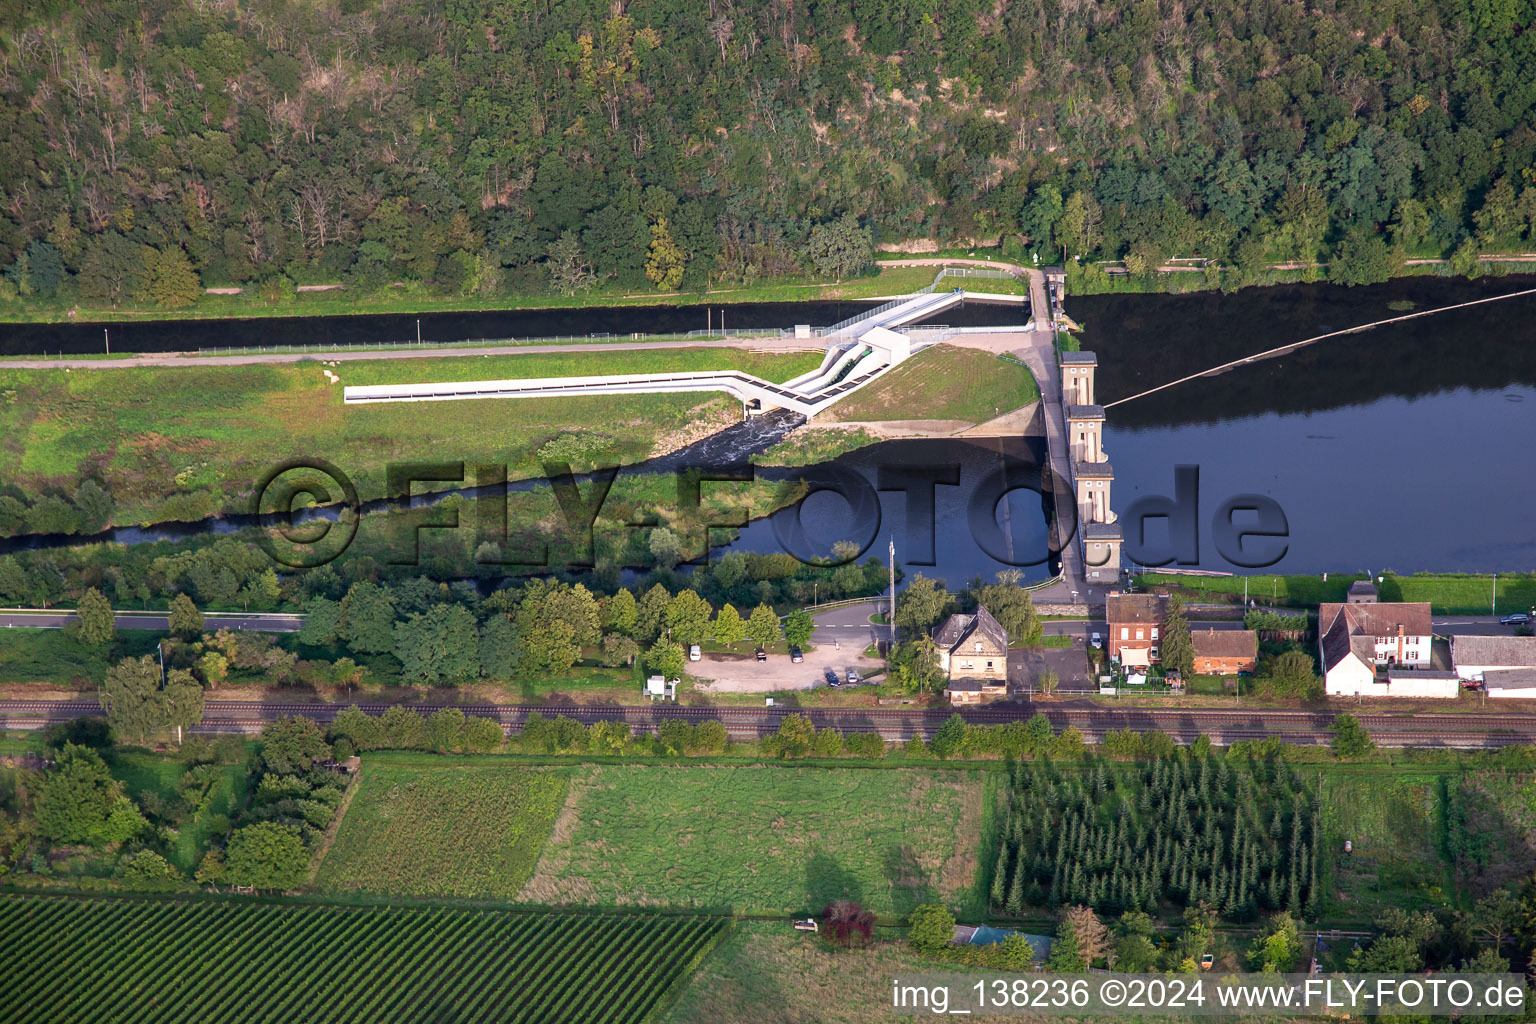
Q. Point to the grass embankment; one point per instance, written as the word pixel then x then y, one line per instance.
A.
pixel 461 831
pixel 1447 593
pixel 340 302
pixel 805 447
pixel 763 839
pixel 944 382
pixel 187 442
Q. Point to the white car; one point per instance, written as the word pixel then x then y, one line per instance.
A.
pixel 694 653
pixel 1096 640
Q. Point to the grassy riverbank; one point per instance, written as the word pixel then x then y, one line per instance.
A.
pixel 186 442
pixel 340 302
pixel 1447 593
pixel 944 382
pixel 1094 280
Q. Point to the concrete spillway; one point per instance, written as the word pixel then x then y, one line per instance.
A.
pixel 859 350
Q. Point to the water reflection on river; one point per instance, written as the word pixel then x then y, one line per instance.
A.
pixel 1407 448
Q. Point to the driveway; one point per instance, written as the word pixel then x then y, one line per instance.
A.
pixel 1070 663
pixel 743 673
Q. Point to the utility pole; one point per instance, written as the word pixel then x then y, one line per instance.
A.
pixel 418 332
pixel 892 619
pixel 1493 596
pixel 106 340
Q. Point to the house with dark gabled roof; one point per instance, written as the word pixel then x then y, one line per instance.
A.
pixel 1355 640
pixel 1135 627
pixel 973 647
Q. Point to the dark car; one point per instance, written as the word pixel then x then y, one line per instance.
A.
pixel 1517 619
pixel 832 679
pixel 762 655
pixel 795 655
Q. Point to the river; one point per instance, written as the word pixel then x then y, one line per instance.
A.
pixel 387 328
pixel 1405 448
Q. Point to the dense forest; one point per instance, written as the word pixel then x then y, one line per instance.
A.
pixel 151 148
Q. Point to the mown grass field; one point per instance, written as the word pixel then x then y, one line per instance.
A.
pixel 459 830
pixel 763 839
pixel 764 973
pixel 254 963
pixel 185 442
pixel 944 382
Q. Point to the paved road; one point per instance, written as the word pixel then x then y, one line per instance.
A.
pixel 849 625
pixel 260 622
pixel 190 359
pixel 1483 625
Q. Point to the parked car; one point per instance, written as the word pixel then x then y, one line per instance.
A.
pixel 762 655
pixel 1096 640
pixel 796 655
pixel 853 676
pixel 693 652
pixel 1517 619
pixel 832 679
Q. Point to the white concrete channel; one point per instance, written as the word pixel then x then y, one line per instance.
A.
pixel 859 350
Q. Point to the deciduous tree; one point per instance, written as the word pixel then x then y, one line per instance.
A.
pixel 763 626
pixel 184 620
pixel 168 279
pixel 266 855
pixel 98 626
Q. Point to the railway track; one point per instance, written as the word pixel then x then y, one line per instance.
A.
pixel 1452 730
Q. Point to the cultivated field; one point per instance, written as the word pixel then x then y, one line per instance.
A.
pixel 769 839
pixel 459 830
pixel 67 960
pixel 944 382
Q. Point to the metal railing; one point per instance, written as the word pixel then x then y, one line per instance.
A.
pixel 843 325
pixel 982 272
pixel 594 338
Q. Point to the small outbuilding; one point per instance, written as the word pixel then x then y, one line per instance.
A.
pixel 1225 652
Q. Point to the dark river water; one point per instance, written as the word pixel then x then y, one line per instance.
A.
pixel 1408 447
pixel 192 335
pixel 989 514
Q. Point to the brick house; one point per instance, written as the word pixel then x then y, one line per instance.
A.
pixel 973 647
pixel 1135 627
pixel 1224 652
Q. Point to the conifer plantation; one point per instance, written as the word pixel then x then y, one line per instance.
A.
pixel 1159 836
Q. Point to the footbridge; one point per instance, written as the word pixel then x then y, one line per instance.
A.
pixel 859 350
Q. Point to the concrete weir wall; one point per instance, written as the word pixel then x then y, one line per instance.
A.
pixel 859 350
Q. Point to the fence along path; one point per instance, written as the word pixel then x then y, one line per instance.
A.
pixel 1293 346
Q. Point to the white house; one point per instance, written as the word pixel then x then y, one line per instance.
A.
pixel 1475 656
pixel 1354 640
